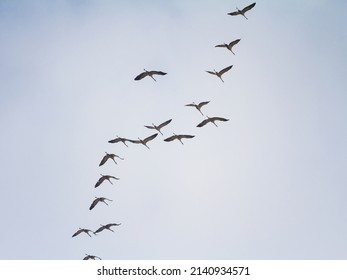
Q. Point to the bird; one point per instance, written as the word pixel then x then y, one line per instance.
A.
pixel 108 226
pixel 119 139
pixel 97 200
pixel 109 156
pixel 221 72
pixel 178 137
pixel 212 120
pixel 229 46
pixel 90 257
pixel 159 127
pixel 243 11
pixel 103 178
pixel 198 106
pixel 149 73
pixel 144 141
pixel 83 230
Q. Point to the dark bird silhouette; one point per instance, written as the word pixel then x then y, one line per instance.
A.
pixel 97 200
pixel 159 127
pixel 243 11
pixel 198 106
pixel 178 137
pixel 229 46
pixel 90 257
pixel 221 72
pixel 119 139
pixel 103 178
pixel 109 156
pixel 149 73
pixel 83 230
pixel 144 141
pixel 212 120
pixel 108 226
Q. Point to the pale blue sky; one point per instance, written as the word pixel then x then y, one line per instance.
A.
pixel 268 184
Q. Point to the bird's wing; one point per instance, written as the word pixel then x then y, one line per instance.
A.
pixel 111 225
pixel 203 103
pixel 203 123
pixel 220 119
pixel 187 136
pixel 213 73
pixel 150 138
pixel 86 257
pixel 171 138
pixel 94 203
pixel 164 124
pixel 149 126
pixel 99 182
pixel 234 13
pixel 77 232
pixel 245 9
pixel 116 140
pixel 191 105
pixel 134 141
pixel 141 76
pixel 114 177
pixel 158 73
pixel 233 43
pixel 104 159
pixel 119 157
pixel 221 72
pixel 220 46
pixel 99 229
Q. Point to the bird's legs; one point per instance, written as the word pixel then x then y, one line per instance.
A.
pixel 220 78
pixel 152 78
pixel 114 161
pixel 181 141
pixel 244 16
pixel 200 111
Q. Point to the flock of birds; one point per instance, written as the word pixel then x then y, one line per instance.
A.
pixel 158 128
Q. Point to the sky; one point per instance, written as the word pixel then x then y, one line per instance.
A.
pixel 268 184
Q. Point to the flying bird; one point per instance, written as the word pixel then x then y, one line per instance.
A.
pixel 229 46
pixel 90 257
pixel 144 141
pixel 212 120
pixel 149 73
pixel 119 139
pixel 221 72
pixel 243 11
pixel 97 200
pixel 103 178
pixel 178 137
pixel 159 127
pixel 198 106
pixel 109 156
pixel 83 230
pixel 108 226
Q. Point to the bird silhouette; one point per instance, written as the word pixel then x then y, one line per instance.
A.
pixel 119 139
pixel 97 200
pixel 103 178
pixel 212 120
pixel 159 127
pixel 150 74
pixel 144 141
pixel 90 257
pixel 108 227
pixel 198 106
pixel 178 137
pixel 229 46
pixel 109 156
pixel 83 230
pixel 243 11
pixel 221 72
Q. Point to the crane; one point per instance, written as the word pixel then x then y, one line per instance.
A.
pixel 97 200
pixel 229 46
pixel 109 156
pixel 178 137
pixel 159 127
pixel 149 73
pixel 103 178
pixel 90 257
pixel 119 139
pixel 80 230
pixel 221 72
pixel 212 120
pixel 108 227
pixel 243 11
pixel 198 106
pixel 144 141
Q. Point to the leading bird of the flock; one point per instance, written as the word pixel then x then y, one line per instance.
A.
pixel 83 230
pixel 212 120
pixel 221 72
pixel 103 178
pixel 178 137
pixel 144 141
pixel 109 156
pixel 159 127
pixel 90 257
pixel 229 46
pixel 198 106
pixel 243 11
pixel 108 227
pixel 97 200
pixel 149 73
pixel 119 139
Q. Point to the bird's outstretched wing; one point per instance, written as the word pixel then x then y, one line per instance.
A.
pixel 190 105
pixel 77 232
pixel 134 141
pixel 186 136
pixel 245 9
pixel 94 203
pixel 150 138
pixel 233 43
pixel 171 138
pixel 226 69
pixel 111 225
pixel 213 73
pixel 234 13
pixel 99 182
pixel 99 229
pixel 203 122
pixel 220 119
pixel 141 76
pixel 164 124
pixel 149 126
pixel 158 73
pixel 104 159
pixel 220 46
pixel 203 103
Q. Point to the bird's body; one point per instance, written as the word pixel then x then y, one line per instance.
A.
pixel 109 156
pixel 198 106
pixel 97 200
pixel 179 138
pixel 83 230
pixel 103 178
pixel 229 46
pixel 119 139
pixel 221 72
pixel 159 127
pixel 90 257
pixel 212 120
pixel 243 11
pixel 150 74
pixel 108 227
pixel 144 141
